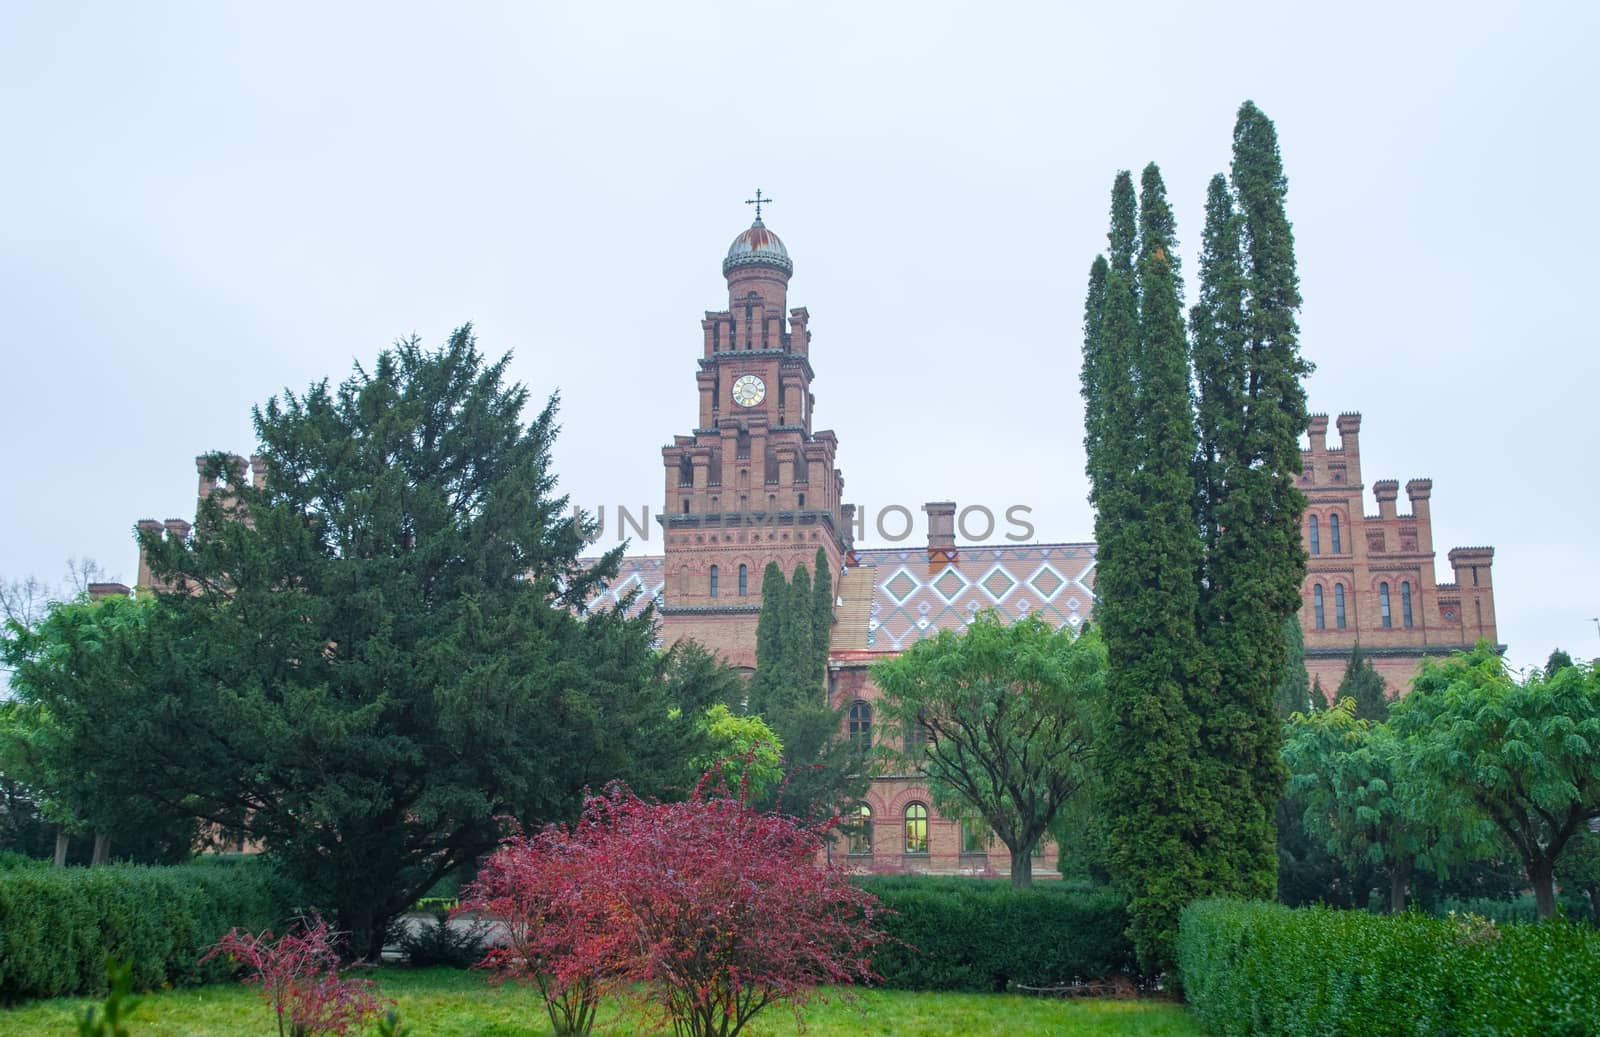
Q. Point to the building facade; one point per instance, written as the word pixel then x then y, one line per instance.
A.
pixel 755 482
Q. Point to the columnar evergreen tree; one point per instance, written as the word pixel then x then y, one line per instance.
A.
pixel 1199 561
pixel 1363 683
pixel 1294 691
pixel 821 610
pixel 1141 446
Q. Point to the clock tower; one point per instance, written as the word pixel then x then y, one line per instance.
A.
pixel 754 483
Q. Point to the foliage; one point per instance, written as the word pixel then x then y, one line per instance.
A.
pixel 974 934
pixel 716 909
pixel 1199 561
pixel 1558 661
pixel 1140 439
pixel 380 645
pixel 1294 691
pixel 1579 870
pixel 1364 685
pixel 1007 710
pixel 1360 800
pixel 59 925
pixel 1252 968
pixel 436 941
pixel 1523 755
pixel 119 1004
pixel 746 751
pixel 298 973
pixel 557 939
pixel 449 1003
pixel 82 668
pixel 824 769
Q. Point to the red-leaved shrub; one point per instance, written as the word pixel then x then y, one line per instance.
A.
pixel 299 975
pixel 717 909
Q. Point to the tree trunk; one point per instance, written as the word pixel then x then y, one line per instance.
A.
pixel 1021 867
pixel 1542 876
pixel 1399 885
pixel 63 841
pixel 102 850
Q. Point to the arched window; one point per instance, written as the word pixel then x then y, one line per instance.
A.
pixel 744 581
pixel 860 724
pixel 1333 533
pixel 861 830
pixel 916 828
pixel 1316 607
pixel 713 581
pixel 1338 605
pixel 802 501
pixel 1383 604
pixel 1405 602
pixel 686 507
pixel 1316 536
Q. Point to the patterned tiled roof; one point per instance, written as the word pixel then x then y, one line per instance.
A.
pixel 646 574
pixel 913 598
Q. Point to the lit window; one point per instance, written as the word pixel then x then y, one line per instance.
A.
pixel 1333 533
pixel 916 828
pixel 744 581
pixel 861 830
pixel 1405 602
pixel 1316 606
pixel 713 581
pixel 860 724
pixel 1338 605
pixel 1316 536
pixel 1383 604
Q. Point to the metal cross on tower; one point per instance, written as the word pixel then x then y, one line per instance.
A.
pixel 758 202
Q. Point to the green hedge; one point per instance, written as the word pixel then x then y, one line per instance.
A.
pixel 1252 968
pixel 58 925
pixel 971 934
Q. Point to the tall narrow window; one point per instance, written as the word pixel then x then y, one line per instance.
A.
pixel 1338 605
pixel 861 830
pixel 1316 606
pixel 1383 604
pixel 916 738
pixel 1405 602
pixel 713 581
pixel 916 828
pixel 860 724
pixel 744 581
pixel 1333 533
pixel 974 837
pixel 1316 536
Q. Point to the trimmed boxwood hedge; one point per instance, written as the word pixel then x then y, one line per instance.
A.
pixel 1252 968
pixel 979 935
pixel 58 925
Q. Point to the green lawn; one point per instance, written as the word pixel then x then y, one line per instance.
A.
pixel 444 1003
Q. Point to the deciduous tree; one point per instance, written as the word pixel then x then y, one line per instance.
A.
pixel 1007 711
pixel 1524 755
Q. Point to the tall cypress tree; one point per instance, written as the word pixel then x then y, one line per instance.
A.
pixel 1294 691
pixel 1140 449
pixel 769 645
pixel 1252 410
pixel 1364 683
pixel 822 611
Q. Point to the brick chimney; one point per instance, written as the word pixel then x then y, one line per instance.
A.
pixel 941 535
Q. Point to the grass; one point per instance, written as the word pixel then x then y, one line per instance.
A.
pixel 446 1003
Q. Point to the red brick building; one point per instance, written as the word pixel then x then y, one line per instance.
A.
pixel 754 481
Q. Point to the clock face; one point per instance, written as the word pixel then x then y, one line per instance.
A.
pixel 749 391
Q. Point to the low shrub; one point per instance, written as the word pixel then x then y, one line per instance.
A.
pixel 1262 968
pixel 59 925
pixel 436 941
pixel 979 935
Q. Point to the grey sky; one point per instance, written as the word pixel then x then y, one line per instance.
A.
pixel 205 203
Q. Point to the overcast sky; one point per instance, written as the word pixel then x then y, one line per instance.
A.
pixel 202 204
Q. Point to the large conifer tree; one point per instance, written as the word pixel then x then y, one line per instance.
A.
pixel 1197 521
pixel 1141 446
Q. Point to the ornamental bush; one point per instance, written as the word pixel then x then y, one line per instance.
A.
pixel 981 935
pixel 1252 967
pixel 59 925
pixel 716 910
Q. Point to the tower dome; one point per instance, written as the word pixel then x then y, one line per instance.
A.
pixel 757 246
